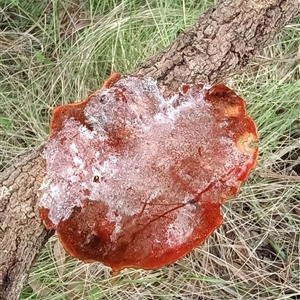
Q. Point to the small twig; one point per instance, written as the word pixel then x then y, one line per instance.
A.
pixel 270 174
pixel 25 35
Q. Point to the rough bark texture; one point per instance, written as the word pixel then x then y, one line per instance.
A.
pixel 21 232
pixel 219 44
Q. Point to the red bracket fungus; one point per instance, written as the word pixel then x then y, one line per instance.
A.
pixel 136 179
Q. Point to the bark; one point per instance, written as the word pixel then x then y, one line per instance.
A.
pixel 220 43
pixel 21 232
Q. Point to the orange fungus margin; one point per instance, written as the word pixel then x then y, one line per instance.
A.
pixel 135 179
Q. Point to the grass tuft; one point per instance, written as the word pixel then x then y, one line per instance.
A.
pixel 57 52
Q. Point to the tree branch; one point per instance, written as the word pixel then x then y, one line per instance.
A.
pixel 221 42
pixel 21 233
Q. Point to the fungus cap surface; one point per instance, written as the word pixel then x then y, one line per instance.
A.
pixel 135 179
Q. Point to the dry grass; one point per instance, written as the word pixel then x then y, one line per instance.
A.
pixel 57 52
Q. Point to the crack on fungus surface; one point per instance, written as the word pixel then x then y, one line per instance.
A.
pixel 136 179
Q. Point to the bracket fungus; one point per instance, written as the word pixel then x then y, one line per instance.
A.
pixel 137 179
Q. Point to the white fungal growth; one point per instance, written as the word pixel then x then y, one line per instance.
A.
pixel 140 152
pixel 182 227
